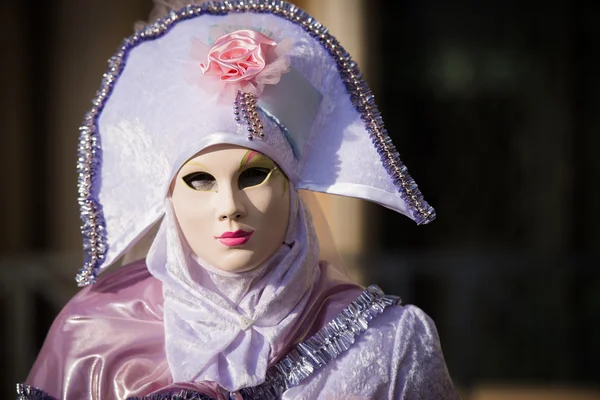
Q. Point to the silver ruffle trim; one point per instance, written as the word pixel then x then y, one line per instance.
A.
pixel 89 150
pixel 332 340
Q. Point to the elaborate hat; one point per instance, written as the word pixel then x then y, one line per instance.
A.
pixel 261 74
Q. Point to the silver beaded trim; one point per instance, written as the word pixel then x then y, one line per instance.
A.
pixel 245 108
pixel 332 340
pixel 93 227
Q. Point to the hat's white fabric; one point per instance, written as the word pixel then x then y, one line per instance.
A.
pixel 152 113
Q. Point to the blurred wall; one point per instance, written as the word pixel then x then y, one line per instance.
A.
pixel 54 56
pixel 58 55
pixel 492 106
pixel 348 218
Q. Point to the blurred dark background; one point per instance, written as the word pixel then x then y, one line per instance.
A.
pixel 494 108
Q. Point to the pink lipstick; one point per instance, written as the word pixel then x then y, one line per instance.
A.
pixel 236 238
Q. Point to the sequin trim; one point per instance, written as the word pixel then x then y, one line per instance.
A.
pixel 332 340
pixel 177 395
pixel 93 227
pixel 26 392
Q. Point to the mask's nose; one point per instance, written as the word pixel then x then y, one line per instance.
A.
pixel 230 206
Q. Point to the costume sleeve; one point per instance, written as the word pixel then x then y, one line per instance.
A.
pixel 418 365
pixel 106 344
pixel 48 377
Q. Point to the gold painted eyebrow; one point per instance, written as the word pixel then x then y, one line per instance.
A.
pixel 197 164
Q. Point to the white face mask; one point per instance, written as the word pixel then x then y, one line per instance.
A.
pixel 232 205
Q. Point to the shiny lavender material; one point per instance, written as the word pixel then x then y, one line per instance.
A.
pixel 99 239
pixel 108 343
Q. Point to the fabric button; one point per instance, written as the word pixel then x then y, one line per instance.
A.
pixel 245 322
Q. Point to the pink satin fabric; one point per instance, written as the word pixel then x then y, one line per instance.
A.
pixel 243 60
pixel 108 341
pixel 239 55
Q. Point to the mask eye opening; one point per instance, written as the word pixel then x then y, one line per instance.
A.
pixel 200 181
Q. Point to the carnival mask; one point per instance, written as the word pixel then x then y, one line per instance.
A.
pixel 232 205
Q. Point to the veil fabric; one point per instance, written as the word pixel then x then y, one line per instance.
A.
pixel 229 327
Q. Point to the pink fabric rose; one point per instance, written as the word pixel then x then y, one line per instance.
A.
pixel 239 55
pixel 245 60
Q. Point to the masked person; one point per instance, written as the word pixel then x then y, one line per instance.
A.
pixel 207 124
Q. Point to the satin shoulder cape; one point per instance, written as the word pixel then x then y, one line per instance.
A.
pixel 108 343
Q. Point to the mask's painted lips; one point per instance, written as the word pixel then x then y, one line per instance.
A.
pixel 236 238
